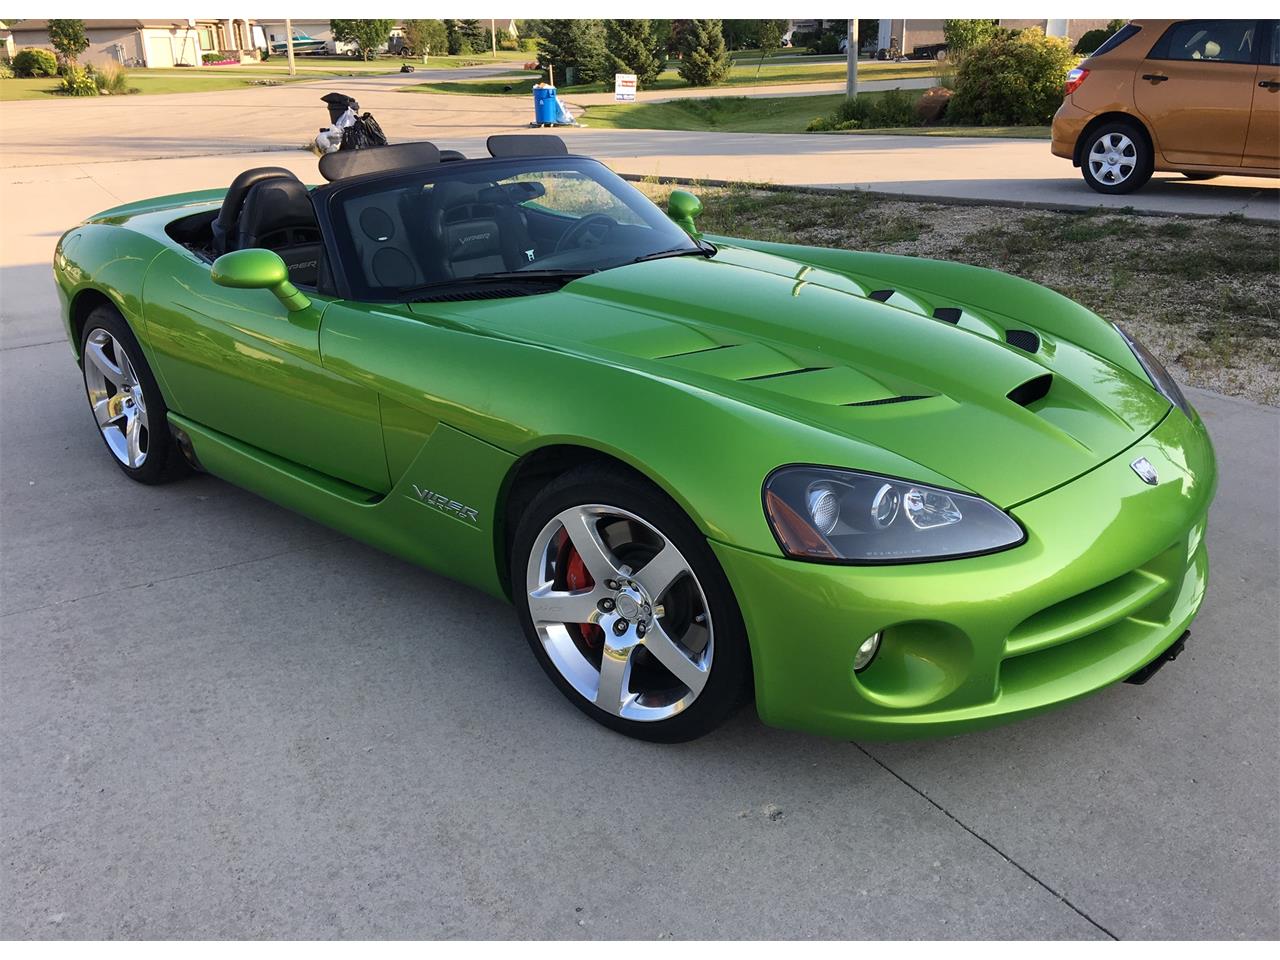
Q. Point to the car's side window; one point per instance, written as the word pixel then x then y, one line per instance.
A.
pixel 1212 41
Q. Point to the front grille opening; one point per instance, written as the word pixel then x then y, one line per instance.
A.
pixel 947 314
pixel 1037 388
pixel 884 400
pixel 1026 340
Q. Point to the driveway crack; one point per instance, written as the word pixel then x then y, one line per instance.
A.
pixel 983 840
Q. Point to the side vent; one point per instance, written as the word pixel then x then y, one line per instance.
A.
pixel 1022 339
pixel 947 314
pixel 881 295
pixel 884 400
pixel 1037 388
pixel 782 373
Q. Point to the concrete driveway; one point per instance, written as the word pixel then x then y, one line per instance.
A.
pixel 218 719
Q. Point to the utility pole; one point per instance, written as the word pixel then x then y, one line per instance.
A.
pixel 288 45
pixel 493 36
pixel 851 62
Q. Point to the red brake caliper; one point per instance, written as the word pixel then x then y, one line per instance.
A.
pixel 576 577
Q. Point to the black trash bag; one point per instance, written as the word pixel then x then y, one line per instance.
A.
pixel 363 133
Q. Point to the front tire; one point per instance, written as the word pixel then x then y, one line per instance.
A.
pixel 626 608
pixel 1116 158
pixel 125 400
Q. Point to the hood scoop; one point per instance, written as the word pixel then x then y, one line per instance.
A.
pixel 1037 388
pixel 883 400
pixel 1026 340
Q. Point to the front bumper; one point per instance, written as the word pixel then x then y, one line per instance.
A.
pixel 1112 573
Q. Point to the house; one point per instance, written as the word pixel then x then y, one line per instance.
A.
pixel 149 43
pixel 7 49
pixel 910 34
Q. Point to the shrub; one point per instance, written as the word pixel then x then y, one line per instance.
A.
pixel 1091 40
pixel 213 57
pixel 110 79
pixel 705 61
pixel 967 34
pixel 33 62
pixel 6 72
pixel 78 83
pixel 1012 80
pixel 894 108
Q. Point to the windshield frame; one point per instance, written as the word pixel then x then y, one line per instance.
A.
pixel 345 271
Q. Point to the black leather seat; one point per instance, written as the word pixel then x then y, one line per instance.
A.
pixel 278 215
pixel 474 228
pixel 224 227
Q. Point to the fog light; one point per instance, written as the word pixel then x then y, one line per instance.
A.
pixel 866 653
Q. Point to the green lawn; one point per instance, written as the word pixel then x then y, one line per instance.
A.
pixel 775 70
pixel 727 114
pixel 153 81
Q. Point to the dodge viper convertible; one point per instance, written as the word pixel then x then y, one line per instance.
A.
pixel 884 497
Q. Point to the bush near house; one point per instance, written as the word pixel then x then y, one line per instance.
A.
pixel 77 82
pixel 1093 39
pixel 33 62
pixel 1012 80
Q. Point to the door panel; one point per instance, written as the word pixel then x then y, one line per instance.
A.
pixel 1263 146
pixel 1195 90
pixel 238 362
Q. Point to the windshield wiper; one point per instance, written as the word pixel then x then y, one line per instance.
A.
pixel 702 250
pixel 506 276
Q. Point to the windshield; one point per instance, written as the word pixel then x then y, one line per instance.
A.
pixel 526 218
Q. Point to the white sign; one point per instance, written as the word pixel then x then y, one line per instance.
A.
pixel 624 87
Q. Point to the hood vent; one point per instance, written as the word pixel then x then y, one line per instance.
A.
pixel 947 314
pixel 884 400
pixel 881 295
pixel 481 293
pixel 1022 339
pixel 1037 388
pixel 690 353
pixel 783 373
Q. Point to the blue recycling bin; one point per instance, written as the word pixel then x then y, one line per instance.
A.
pixel 546 109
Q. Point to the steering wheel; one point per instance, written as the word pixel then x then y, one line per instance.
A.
pixel 595 226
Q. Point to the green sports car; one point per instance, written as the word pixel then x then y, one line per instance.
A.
pixel 887 497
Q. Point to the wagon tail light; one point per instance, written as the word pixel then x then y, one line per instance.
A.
pixel 1074 79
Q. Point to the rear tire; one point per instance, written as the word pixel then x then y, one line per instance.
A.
pixel 125 400
pixel 626 607
pixel 1116 158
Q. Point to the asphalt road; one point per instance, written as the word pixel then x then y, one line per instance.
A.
pixel 219 719
pixel 79 132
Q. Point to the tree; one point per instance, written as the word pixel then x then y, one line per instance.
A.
pixel 964 35
pixel 706 61
pixel 474 35
pixel 67 37
pixel 770 39
pixel 1012 80
pixel 424 36
pixel 631 48
pixel 574 45
pixel 369 36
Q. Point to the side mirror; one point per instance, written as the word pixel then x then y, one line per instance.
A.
pixel 258 270
pixel 683 207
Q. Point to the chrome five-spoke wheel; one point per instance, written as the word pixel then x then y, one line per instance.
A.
pixel 1113 158
pixel 116 396
pixel 620 612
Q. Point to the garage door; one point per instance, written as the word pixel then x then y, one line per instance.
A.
pixel 159 50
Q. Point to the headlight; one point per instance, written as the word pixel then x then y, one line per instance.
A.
pixel 824 513
pixel 1160 377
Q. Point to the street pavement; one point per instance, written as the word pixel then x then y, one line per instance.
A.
pixel 218 719
pixel 79 132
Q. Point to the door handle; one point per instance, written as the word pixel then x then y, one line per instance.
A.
pixel 1270 84
pixel 1155 77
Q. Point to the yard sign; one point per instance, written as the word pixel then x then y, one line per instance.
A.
pixel 624 87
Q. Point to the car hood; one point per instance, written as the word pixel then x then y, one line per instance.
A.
pixel 952 393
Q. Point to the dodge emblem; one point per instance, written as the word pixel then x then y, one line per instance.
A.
pixel 1143 468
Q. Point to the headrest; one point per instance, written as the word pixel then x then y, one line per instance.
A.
pixel 277 204
pixel 448 156
pixel 526 145
pixel 394 156
pixel 472 238
pixel 1212 49
pixel 224 225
